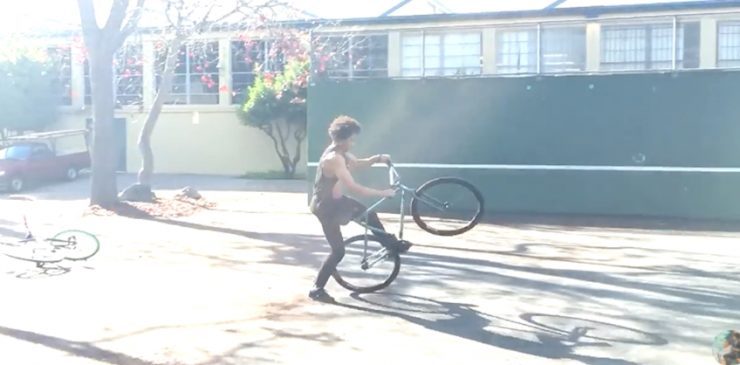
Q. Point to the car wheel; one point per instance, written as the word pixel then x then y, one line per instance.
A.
pixel 72 174
pixel 17 184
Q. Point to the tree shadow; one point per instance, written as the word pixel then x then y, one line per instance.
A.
pixel 79 189
pixel 598 287
pixel 693 301
pixel 234 356
pixel 464 321
pixel 310 250
pixel 75 348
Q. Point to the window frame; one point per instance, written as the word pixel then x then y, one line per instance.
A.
pixel 423 71
pixel 647 63
pixel 176 98
pixel 118 77
pixel 351 71
pixel 727 63
pixel 264 50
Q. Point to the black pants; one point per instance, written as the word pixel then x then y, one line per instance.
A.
pixel 332 216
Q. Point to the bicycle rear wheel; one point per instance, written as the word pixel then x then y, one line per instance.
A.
pixel 367 265
pixel 39 254
pixel 75 245
pixel 447 206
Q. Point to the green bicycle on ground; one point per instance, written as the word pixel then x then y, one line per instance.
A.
pixel 72 245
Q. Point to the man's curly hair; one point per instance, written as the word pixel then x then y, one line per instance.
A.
pixel 343 127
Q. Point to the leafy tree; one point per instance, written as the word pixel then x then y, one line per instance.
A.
pixel 276 104
pixel 27 100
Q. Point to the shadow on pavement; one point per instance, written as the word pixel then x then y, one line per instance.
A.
pixel 463 320
pixel 76 348
pixel 79 190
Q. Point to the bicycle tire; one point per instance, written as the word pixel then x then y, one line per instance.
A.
pixel 37 259
pixel 419 219
pixel 67 251
pixel 346 283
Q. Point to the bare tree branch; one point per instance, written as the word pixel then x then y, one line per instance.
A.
pixel 132 23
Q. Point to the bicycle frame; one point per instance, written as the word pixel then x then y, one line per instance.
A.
pixel 394 180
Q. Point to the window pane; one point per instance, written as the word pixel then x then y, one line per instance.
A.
pixel 623 48
pixel 197 67
pixel 333 56
pixel 516 51
pixel 370 56
pixel 129 77
pixel 661 47
pixel 649 46
pixel 689 45
pixel 411 53
pixel 461 54
pixel 728 40
pixel 564 49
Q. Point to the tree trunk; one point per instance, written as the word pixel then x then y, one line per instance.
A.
pixel 103 186
pixel 280 143
pixel 142 190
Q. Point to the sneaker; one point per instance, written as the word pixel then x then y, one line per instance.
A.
pixel 404 246
pixel 320 295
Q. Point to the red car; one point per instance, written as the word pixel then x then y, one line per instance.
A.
pixel 29 162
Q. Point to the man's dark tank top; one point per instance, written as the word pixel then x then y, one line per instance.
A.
pixel 323 186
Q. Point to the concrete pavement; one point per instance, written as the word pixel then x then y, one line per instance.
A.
pixel 228 286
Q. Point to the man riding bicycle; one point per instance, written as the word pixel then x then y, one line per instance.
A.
pixel 333 208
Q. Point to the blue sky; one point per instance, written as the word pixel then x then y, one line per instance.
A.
pixel 56 14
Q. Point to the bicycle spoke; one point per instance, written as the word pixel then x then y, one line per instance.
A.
pixel 367 265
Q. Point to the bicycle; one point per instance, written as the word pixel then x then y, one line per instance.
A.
pixel 72 245
pixel 379 265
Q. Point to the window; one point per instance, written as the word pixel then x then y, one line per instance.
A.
pixel 728 41
pixel 359 56
pixel 563 49
pixel 61 61
pixel 369 56
pixel 195 79
pixel 129 76
pixel 516 51
pixel 246 58
pixel 128 79
pixel 452 54
pixel 649 47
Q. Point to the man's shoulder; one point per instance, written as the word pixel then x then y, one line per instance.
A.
pixel 334 158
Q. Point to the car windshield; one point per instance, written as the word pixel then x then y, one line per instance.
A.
pixel 20 152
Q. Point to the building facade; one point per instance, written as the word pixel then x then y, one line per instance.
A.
pixel 627 110
pixel 600 110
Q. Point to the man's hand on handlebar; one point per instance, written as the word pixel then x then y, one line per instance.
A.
pixel 386 159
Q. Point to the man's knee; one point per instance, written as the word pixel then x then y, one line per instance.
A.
pixel 337 253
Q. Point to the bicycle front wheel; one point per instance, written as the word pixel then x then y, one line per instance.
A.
pixel 75 245
pixel 367 265
pixel 447 206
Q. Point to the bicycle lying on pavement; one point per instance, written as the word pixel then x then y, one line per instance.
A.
pixel 446 206
pixel 72 245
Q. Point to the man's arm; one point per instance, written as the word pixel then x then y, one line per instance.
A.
pixel 367 162
pixel 338 166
